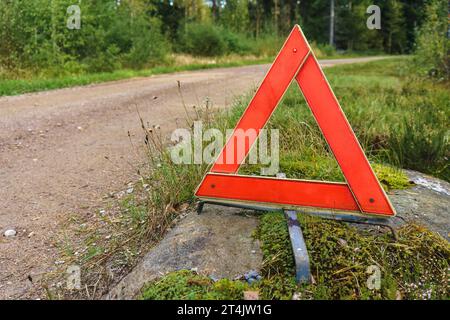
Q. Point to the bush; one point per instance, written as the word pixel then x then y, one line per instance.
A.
pixel 266 45
pixel 35 37
pixel 203 40
pixel 149 47
pixel 327 50
pixel 236 43
pixel 104 61
pixel 432 51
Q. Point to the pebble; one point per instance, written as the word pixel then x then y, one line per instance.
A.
pixel 281 175
pixel 297 296
pixel 10 233
pixel 214 278
pixel 342 242
pixel 252 276
pixel 251 295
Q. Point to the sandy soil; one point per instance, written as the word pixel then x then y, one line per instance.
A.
pixel 61 151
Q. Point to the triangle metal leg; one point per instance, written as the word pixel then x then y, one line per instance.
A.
pixel 302 268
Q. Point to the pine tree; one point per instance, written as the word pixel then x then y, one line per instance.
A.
pixel 393 26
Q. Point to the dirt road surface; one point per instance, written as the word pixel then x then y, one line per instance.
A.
pixel 61 151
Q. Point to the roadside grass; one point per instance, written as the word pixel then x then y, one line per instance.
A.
pixel 26 81
pixel 9 87
pixel 399 120
pixel 378 98
pixel 108 243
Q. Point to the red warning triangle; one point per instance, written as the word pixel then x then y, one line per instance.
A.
pixel 362 193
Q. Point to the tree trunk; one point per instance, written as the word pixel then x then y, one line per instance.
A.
pixel 332 23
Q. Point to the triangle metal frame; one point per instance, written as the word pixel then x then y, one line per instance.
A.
pixel 362 193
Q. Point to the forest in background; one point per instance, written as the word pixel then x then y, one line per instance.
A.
pixel 136 34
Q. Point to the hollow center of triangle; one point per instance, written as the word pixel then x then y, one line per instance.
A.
pixel 302 153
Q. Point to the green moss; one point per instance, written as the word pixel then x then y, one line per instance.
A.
pixel 390 177
pixel 277 287
pixel 185 284
pixel 414 267
pixel 326 168
pixel 275 245
pixel 226 289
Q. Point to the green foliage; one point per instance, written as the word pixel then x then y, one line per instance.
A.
pixel 35 36
pixel 315 19
pixel 277 287
pixel 266 46
pixel 234 15
pixel 133 33
pixel 324 50
pixel 204 39
pixel 393 26
pixel 237 43
pixel 433 46
pixel 188 285
pixel 149 47
pixel 351 30
pixel 171 184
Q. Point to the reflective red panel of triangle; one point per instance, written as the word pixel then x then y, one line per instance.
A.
pixel 362 192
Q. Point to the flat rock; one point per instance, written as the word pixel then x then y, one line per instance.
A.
pixel 217 243
pixel 426 203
